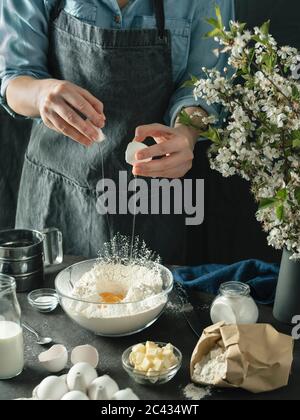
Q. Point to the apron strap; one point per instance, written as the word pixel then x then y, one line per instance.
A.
pixel 159 10
pixel 57 8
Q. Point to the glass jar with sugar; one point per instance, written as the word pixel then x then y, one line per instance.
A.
pixel 234 305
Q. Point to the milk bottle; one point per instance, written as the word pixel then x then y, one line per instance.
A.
pixel 11 333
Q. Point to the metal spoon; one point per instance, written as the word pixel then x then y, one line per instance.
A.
pixel 42 341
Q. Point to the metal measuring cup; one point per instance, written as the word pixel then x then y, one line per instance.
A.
pixel 24 253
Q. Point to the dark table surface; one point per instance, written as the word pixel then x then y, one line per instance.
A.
pixel 171 327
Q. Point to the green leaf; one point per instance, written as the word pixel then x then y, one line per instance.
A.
pixel 213 33
pixel 280 212
pixel 295 136
pixel 297 195
pixel 265 28
pixel 190 83
pixel 213 135
pixel 184 118
pixel 282 194
pixel 213 22
pixel 295 93
pixel 267 203
pixel 219 17
pixel 296 144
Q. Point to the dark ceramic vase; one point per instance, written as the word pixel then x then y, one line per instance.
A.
pixel 287 301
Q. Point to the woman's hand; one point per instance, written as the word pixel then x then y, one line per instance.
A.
pixel 175 146
pixel 58 102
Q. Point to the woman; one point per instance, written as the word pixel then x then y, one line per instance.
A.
pixel 117 65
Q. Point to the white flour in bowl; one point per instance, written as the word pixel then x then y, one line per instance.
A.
pixel 143 301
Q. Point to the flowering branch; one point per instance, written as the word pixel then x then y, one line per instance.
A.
pixel 261 139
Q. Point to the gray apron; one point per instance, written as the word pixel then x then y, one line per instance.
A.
pixel 130 71
pixel 14 137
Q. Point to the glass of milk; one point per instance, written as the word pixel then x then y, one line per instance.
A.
pixel 11 333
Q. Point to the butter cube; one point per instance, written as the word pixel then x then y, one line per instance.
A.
pixel 139 348
pixel 132 358
pixel 157 364
pixel 139 357
pixel 145 365
pixel 151 372
pixel 151 344
pixel 167 363
pixel 152 375
pixel 167 352
pixel 151 351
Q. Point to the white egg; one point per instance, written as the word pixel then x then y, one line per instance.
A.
pixel 125 395
pixel 75 396
pixel 87 354
pixel 64 378
pixel 101 135
pixel 132 148
pixel 34 392
pixel 51 389
pixel 55 359
pixel 80 377
pixel 102 388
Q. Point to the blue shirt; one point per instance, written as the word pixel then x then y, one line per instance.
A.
pixel 24 37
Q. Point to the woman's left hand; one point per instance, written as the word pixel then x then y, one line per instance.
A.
pixel 175 147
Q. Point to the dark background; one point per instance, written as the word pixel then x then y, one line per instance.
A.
pixel 230 232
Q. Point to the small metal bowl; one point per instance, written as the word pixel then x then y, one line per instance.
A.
pixel 155 378
pixel 43 300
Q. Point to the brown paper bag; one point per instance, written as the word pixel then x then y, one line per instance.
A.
pixel 259 359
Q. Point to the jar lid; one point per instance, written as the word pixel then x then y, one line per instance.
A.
pixel 235 288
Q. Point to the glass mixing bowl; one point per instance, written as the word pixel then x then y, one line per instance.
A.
pixel 117 319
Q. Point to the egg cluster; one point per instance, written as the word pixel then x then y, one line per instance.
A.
pixel 81 382
pixel 152 359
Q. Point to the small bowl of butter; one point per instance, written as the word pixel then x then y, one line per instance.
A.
pixel 152 363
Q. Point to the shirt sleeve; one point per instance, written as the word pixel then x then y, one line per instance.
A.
pixel 201 55
pixel 24 42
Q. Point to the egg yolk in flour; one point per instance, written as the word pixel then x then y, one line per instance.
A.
pixel 111 297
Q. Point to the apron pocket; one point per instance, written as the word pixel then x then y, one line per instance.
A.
pixel 47 199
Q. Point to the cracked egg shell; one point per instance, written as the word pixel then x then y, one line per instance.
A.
pixel 85 354
pixel 132 149
pixel 55 359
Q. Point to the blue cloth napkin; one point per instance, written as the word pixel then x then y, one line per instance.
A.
pixel 260 276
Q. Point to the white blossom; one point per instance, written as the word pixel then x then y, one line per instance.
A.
pixel 263 119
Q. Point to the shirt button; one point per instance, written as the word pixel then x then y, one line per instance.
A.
pixel 118 19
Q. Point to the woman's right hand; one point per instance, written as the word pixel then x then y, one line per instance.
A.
pixel 57 102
